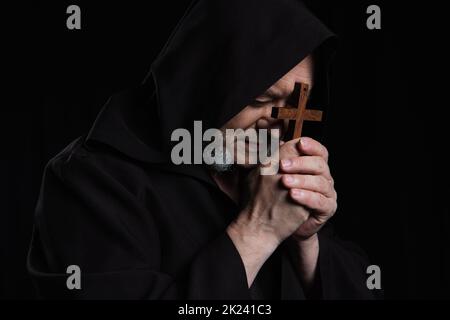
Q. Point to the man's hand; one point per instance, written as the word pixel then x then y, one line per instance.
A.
pixel 268 217
pixel 308 178
pixel 273 210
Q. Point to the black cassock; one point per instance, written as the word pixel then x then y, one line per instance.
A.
pixel 141 228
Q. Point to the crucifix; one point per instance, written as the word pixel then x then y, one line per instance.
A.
pixel 298 114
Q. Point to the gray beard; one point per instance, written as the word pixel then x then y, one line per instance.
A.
pixel 221 168
pixel 226 165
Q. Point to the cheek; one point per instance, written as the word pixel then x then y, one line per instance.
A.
pixel 263 123
pixel 268 123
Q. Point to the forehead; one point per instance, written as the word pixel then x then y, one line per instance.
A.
pixel 302 72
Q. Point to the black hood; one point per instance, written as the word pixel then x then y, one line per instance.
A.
pixel 220 57
pixel 224 53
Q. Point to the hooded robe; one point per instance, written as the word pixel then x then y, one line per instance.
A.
pixel 138 226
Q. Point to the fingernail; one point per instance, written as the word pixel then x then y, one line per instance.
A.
pixel 286 163
pixel 302 142
pixel 289 179
pixel 297 193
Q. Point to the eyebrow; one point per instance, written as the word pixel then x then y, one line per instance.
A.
pixel 275 94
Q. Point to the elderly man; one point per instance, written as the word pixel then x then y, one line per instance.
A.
pixel 136 225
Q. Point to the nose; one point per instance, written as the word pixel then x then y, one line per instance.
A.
pixel 267 122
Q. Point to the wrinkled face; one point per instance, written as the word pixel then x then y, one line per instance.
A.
pixel 258 114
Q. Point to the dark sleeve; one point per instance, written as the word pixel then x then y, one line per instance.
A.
pixel 84 217
pixel 342 269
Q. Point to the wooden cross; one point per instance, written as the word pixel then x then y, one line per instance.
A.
pixel 298 114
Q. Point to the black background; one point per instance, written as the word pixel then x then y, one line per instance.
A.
pixel 389 201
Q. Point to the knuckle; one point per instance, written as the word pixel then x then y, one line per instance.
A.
pixel 321 201
pixel 331 181
pixel 321 165
pixel 326 153
pixel 324 185
pixel 334 208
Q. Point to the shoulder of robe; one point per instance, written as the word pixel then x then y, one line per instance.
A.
pixel 80 166
pixel 89 194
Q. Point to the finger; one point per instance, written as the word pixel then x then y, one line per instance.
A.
pixel 314 200
pixel 306 165
pixel 309 182
pixel 310 147
pixel 289 149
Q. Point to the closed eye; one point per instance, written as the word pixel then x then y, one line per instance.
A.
pixel 267 97
pixel 261 101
